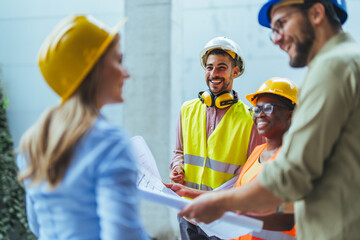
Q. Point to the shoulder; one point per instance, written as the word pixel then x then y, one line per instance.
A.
pixel 106 146
pixel 258 149
pixel 104 139
pixel 102 129
pixel 191 102
pixel 341 56
pixel 241 111
pixel 241 106
pixel 192 105
pixel 336 69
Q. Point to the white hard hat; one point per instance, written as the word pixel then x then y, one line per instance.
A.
pixel 229 46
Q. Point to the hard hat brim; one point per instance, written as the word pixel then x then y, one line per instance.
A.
pixel 252 97
pixel 264 18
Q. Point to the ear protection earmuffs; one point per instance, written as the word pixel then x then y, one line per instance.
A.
pixel 222 100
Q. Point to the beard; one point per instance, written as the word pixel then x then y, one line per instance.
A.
pixel 217 91
pixel 304 46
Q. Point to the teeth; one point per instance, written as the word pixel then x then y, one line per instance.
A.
pixel 216 82
pixel 261 124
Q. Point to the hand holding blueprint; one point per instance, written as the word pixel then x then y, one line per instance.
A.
pixel 152 189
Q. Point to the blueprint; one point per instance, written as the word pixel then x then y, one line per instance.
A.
pixel 151 188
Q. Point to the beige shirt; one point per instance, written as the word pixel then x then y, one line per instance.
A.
pixel 319 165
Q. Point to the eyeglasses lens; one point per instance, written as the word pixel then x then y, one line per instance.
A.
pixel 267 108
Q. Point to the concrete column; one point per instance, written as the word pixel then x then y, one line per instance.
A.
pixel 148 109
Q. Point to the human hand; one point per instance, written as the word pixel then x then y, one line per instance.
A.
pixel 205 208
pixel 181 190
pixel 177 175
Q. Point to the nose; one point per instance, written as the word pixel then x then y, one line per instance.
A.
pixel 277 37
pixel 126 74
pixel 214 72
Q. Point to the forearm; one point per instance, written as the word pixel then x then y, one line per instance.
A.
pixel 249 198
pixel 194 193
pixel 178 160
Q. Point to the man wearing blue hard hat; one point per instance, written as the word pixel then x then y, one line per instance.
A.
pixel 319 164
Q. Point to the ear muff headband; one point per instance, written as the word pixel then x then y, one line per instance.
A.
pixel 222 100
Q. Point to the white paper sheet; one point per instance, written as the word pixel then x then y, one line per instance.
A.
pixel 152 189
pixel 229 226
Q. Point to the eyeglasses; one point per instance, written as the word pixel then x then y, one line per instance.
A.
pixel 267 108
pixel 278 28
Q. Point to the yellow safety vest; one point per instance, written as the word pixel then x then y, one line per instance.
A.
pixel 210 163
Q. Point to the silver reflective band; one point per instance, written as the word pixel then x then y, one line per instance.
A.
pixel 222 167
pixel 196 186
pixel 192 185
pixel 194 160
pixel 265 234
pixel 212 164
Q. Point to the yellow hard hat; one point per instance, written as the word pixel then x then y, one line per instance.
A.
pixel 279 86
pixel 71 50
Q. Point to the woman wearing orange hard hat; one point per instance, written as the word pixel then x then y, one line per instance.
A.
pixel 78 169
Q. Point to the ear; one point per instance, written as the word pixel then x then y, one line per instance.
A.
pixel 236 71
pixel 317 14
pixel 289 116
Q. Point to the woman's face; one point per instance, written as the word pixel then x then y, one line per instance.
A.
pixel 111 77
pixel 277 122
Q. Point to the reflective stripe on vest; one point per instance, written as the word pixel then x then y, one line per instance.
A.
pixel 197 186
pixel 272 235
pixel 208 163
pixel 214 165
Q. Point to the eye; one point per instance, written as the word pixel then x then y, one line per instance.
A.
pixel 281 23
pixel 267 107
pixel 209 68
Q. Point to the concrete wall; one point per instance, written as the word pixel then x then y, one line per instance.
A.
pixel 152 30
pixel 23 30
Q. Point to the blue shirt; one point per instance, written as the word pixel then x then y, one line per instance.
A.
pixel 97 198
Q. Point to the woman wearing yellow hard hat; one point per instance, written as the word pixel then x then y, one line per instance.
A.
pixel 78 169
pixel 273 104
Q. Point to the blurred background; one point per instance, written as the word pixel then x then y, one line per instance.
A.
pixel 161 41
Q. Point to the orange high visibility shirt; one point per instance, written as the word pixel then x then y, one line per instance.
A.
pixel 250 171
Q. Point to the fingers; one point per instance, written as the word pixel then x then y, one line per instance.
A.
pixel 185 212
pixel 177 175
pixel 177 180
pixel 178 170
pixel 168 185
pixel 206 208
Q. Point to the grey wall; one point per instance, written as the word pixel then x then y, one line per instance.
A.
pixel 23 30
pixel 150 91
pixel 162 41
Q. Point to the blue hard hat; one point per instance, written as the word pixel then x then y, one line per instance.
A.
pixel 264 14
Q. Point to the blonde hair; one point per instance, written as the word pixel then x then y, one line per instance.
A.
pixel 49 144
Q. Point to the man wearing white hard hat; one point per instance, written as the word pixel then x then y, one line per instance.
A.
pixel 215 132
pixel 319 165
